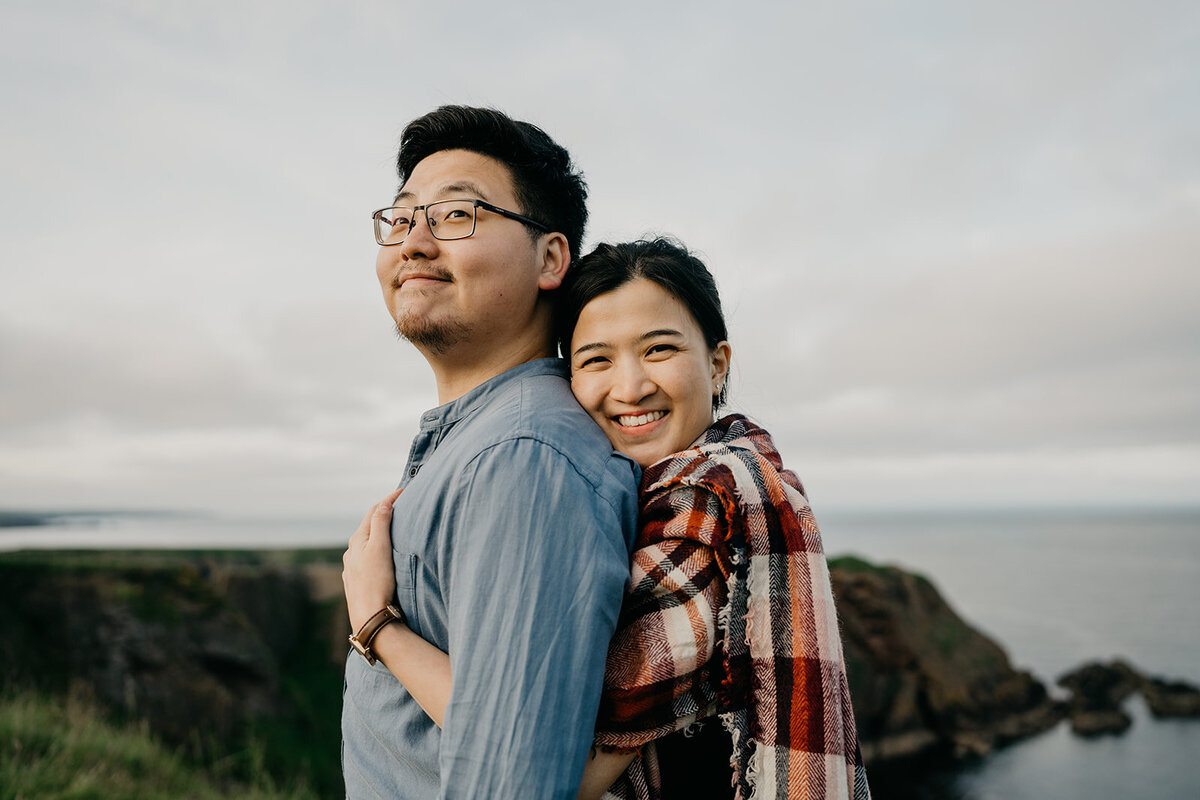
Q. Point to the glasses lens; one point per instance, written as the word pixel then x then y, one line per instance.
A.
pixel 452 219
pixel 392 225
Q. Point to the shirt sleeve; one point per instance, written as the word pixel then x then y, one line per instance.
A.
pixel 664 664
pixel 534 582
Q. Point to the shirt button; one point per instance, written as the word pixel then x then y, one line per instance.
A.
pixel 412 472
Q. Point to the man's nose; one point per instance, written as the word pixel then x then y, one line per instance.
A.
pixel 420 241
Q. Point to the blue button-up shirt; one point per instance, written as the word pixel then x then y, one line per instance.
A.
pixel 511 541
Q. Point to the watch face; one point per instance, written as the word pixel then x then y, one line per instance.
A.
pixel 362 651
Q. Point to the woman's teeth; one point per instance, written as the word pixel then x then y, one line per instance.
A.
pixel 627 421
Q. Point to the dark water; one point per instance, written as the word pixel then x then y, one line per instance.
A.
pixel 1057 589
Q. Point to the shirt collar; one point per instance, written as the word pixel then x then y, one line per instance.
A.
pixel 483 394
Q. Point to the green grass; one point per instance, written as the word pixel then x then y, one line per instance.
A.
pixel 54 745
pixel 848 563
pixel 948 635
pixel 64 749
pixel 307 742
pixel 87 560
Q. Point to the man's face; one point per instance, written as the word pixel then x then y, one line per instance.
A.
pixel 479 291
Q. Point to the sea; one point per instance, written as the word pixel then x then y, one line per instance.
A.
pixel 1055 587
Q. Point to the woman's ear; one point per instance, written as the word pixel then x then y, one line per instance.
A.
pixel 556 257
pixel 721 354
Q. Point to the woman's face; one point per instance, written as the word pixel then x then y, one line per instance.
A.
pixel 641 368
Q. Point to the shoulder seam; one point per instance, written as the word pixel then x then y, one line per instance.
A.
pixel 533 437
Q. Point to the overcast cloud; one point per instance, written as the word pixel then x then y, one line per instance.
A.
pixel 959 243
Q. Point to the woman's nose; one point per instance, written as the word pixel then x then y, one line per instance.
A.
pixel 632 384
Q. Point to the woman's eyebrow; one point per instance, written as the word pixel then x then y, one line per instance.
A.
pixel 584 348
pixel 657 333
pixel 654 334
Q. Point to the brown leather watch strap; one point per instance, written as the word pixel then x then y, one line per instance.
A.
pixel 361 641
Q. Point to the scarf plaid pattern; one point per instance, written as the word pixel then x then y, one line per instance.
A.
pixel 730 611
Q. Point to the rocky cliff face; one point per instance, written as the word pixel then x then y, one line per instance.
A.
pixel 194 647
pixel 921 678
pixel 201 646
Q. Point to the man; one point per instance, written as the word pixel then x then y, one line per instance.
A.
pixel 511 536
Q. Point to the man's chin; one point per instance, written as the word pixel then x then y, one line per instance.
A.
pixel 436 338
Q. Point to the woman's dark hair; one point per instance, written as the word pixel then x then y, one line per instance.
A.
pixel 662 260
pixel 548 186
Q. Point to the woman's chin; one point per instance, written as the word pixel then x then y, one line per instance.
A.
pixel 649 443
pixel 644 453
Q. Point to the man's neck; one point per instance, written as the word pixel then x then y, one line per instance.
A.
pixel 459 371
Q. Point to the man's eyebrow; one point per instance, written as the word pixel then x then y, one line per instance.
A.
pixel 457 187
pixel 464 186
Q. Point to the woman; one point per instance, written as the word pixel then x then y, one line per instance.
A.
pixel 729 613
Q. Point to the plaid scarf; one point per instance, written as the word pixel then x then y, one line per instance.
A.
pixel 730 612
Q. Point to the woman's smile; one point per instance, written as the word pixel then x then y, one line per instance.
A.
pixel 639 420
pixel 640 367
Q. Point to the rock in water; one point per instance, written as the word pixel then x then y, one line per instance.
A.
pixel 1171 698
pixel 1097 722
pixel 1098 690
pixel 1095 685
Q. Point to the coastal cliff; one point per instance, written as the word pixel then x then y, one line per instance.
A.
pixel 207 647
pixel 223 656
pixel 924 681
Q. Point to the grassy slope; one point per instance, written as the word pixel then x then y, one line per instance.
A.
pixel 59 747
pixel 63 748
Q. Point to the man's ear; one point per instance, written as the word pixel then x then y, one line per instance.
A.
pixel 556 257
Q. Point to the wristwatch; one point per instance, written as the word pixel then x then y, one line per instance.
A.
pixel 361 641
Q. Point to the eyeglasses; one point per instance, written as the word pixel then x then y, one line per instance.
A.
pixel 447 219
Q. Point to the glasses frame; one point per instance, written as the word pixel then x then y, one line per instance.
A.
pixel 533 223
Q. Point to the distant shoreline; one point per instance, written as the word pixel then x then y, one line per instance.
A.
pixel 24 517
pixel 19 518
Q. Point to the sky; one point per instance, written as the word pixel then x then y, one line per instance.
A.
pixel 958 243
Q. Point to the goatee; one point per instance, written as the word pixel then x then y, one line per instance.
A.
pixel 437 338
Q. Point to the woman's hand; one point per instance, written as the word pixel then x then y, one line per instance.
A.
pixel 369 578
pixel 368 572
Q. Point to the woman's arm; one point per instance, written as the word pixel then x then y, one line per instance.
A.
pixel 602 771
pixel 419 666
pixel 666 642
pixel 369 580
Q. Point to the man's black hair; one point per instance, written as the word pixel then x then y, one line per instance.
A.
pixel 548 186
